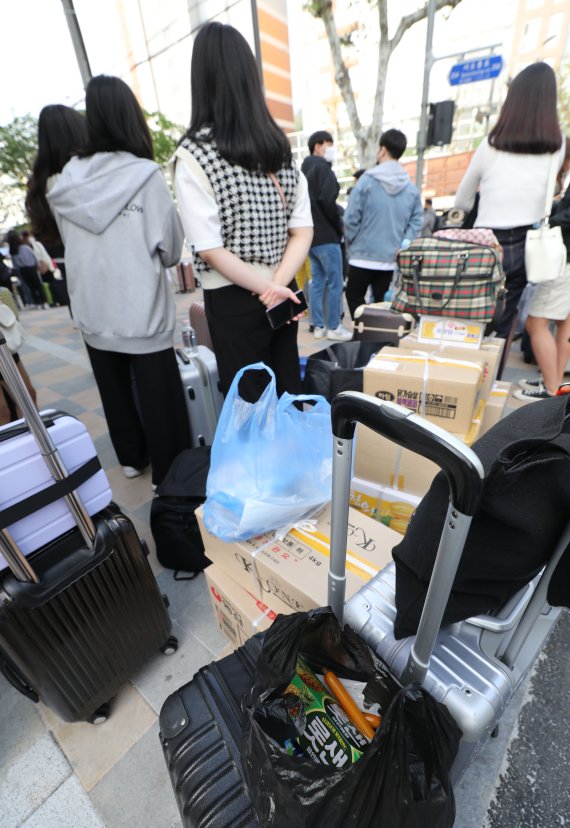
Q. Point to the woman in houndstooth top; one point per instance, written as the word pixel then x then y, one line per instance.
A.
pixel 245 210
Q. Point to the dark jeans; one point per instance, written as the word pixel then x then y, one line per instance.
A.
pixel 242 335
pixel 31 278
pixel 358 280
pixel 512 241
pixel 161 431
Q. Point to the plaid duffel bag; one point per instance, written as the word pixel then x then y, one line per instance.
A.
pixel 449 277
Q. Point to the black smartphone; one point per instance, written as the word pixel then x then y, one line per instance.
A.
pixel 283 312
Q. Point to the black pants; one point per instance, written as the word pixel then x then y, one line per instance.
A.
pixel 242 335
pixel 31 278
pixel 161 431
pixel 358 280
pixel 512 242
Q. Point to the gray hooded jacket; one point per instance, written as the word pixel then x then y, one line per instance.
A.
pixel 383 209
pixel 121 230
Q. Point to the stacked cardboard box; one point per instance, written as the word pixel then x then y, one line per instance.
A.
pixel 250 582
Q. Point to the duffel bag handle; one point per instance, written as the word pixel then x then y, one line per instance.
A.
pixel 459 271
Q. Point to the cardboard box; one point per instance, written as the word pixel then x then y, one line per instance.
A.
pixel 448 386
pixel 290 575
pixel 380 461
pixel 489 355
pixel 239 614
pixel 496 404
pixel 392 507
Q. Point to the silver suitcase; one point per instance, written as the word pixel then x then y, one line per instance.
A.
pixel 204 400
pixel 473 666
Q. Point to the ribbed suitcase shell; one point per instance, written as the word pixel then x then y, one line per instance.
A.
pixel 200 731
pixel 463 672
pixel 23 472
pixel 376 322
pixel 203 397
pixel 197 314
pixel 76 649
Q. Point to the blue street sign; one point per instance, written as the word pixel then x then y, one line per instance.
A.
pixel 478 69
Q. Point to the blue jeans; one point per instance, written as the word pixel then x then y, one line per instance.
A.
pixel 326 269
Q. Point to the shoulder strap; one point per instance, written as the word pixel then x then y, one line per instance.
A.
pixel 275 180
pixel 553 171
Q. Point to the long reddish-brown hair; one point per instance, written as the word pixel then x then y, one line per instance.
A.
pixel 528 121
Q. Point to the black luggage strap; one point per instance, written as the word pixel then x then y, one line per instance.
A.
pixel 50 494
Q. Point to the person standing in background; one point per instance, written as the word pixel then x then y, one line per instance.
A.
pixel 121 232
pixel 325 253
pixel 510 168
pixel 24 260
pixel 384 213
pixel 62 133
pixel 429 221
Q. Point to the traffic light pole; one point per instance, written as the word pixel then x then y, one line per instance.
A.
pixel 422 134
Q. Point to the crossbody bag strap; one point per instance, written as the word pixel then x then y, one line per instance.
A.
pixel 553 170
pixel 275 180
pixel 459 271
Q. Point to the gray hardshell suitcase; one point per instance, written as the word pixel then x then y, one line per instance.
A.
pixel 473 666
pixel 204 400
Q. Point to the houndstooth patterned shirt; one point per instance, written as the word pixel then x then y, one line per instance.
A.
pixel 252 216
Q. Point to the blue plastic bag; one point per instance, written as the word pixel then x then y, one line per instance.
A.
pixel 271 464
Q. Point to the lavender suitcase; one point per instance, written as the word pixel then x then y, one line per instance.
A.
pixel 473 666
pixel 377 323
pixel 28 508
pixel 83 612
pixel 204 400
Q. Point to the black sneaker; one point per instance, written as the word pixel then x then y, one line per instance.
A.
pixel 530 395
pixel 530 384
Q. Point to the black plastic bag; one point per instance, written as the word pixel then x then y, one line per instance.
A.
pixel 172 513
pixel 339 368
pixel 401 781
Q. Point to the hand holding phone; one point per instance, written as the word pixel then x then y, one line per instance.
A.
pixel 278 315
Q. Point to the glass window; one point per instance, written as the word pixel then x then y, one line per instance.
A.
pixel 531 34
pixel 534 4
pixel 554 30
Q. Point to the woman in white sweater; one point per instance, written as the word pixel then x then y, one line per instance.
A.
pixel 511 171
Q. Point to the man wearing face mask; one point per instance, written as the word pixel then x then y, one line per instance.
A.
pixel 384 214
pixel 325 252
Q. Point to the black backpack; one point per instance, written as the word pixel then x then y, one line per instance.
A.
pixel 172 520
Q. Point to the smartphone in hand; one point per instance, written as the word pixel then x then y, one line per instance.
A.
pixel 278 315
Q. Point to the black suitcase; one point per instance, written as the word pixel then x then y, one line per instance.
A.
pixel 377 323
pixel 200 730
pixel 83 612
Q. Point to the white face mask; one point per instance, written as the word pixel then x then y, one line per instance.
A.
pixel 330 154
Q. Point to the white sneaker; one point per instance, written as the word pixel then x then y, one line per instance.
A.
pixel 341 334
pixel 319 333
pixel 530 384
pixel 130 471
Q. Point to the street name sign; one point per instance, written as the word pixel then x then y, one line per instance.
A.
pixel 478 69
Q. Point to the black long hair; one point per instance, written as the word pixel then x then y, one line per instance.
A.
pixel 227 98
pixel 115 121
pixel 62 133
pixel 528 121
pixel 14 241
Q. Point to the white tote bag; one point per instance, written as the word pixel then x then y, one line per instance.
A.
pixel 10 328
pixel 544 251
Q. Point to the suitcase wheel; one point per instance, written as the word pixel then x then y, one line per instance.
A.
pixel 170 645
pixel 101 715
pixel 165 600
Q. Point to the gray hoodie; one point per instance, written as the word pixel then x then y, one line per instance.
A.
pixel 121 230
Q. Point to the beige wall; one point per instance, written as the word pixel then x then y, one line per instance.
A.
pixel 542 29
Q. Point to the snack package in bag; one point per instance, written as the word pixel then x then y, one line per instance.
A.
pixel 397 779
pixel 271 462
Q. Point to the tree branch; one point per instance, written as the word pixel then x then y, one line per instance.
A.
pixel 409 20
pixel 325 12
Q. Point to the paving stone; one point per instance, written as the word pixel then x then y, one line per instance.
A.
pixel 138 793
pixel 68 807
pixel 190 606
pixel 92 750
pixel 20 724
pixel 28 781
pixel 164 674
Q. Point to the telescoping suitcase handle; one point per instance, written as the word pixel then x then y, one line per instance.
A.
pixel 17 562
pixel 464 474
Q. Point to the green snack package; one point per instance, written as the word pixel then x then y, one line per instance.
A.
pixel 328 737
